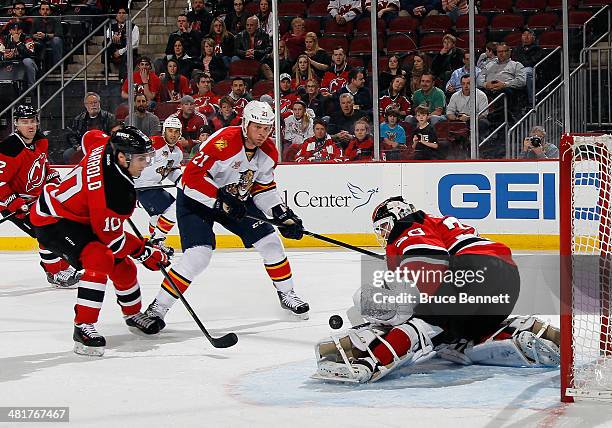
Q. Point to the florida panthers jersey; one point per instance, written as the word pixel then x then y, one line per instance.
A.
pixel 223 160
pixel 166 164
pixel 96 192
pixel 24 168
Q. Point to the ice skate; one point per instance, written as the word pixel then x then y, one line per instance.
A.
pixel 87 341
pixel 292 303
pixel 156 311
pixel 67 278
pixel 145 323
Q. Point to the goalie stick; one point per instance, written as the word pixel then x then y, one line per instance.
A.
pixel 322 238
pixel 225 341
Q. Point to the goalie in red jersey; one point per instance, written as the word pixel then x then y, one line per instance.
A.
pixel 82 219
pixel 446 292
pixel 24 170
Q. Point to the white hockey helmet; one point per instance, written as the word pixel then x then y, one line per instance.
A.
pixel 258 112
pixel 386 214
pixel 172 122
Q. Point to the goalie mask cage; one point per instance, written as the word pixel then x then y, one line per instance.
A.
pixel 585 231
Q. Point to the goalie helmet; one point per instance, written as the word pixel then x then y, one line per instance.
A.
pixel 386 214
pixel 258 112
pixel 172 122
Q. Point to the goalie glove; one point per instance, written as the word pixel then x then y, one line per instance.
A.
pixel 292 225
pixel 229 205
pixel 151 256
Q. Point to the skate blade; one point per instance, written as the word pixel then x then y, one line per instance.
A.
pixel 138 332
pixel 297 317
pixel 91 351
pixel 318 376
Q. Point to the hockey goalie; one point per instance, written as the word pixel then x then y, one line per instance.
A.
pixel 452 293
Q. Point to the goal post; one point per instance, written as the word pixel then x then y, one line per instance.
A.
pixel 585 185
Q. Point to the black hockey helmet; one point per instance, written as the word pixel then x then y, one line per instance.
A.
pixel 24 111
pixel 131 140
pixel 386 214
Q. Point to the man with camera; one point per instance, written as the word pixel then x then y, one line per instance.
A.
pixel 535 146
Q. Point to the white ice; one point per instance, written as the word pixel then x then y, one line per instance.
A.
pixel 178 379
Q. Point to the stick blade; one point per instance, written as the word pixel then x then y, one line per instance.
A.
pixel 226 341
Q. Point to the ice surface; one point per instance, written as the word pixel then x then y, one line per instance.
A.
pixel 178 379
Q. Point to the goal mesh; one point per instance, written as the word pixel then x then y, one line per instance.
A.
pixel 590 373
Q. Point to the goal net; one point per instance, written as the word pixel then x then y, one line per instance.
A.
pixel 586 249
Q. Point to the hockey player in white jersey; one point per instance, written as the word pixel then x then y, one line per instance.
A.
pixel 159 203
pixel 403 332
pixel 232 175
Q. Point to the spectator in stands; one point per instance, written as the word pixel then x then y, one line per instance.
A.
pixel 355 86
pixel 424 141
pixel 504 75
pixel 528 54
pixel 93 117
pixel 337 74
pixel 191 38
pixel 264 17
pixel 235 21
pixel 343 11
pixel 284 63
pixel 458 108
pixel 212 63
pixel 536 146
pixel 430 96
pixel 254 43
pixel 415 70
pixel 224 40
pixel 192 121
pixel 295 39
pixel 145 81
pixel 455 8
pixel 394 97
pixel 342 123
pixel 203 133
pixel 199 18
pixel 320 147
pixel 361 147
pixel 174 86
pixel 386 9
pixel 20 48
pixel 392 70
pixel 206 101
pixel 313 98
pixel 391 132
pixel 19 11
pixel 48 33
pixel 185 61
pixel 319 59
pixel 287 96
pixel 449 59
pixel 488 56
pixel 420 8
pixel 298 126
pixel 302 73
pixel 239 95
pixel 144 120
pixel 454 83
pixel 226 116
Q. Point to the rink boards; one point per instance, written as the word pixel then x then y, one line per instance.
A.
pixel 515 202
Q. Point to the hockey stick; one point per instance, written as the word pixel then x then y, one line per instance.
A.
pixel 224 341
pixel 161 186
pixel 322 238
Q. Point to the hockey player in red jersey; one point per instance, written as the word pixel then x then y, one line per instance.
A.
pixel 464 287
pixel 24 170
pixel 233 174
pixel 82 219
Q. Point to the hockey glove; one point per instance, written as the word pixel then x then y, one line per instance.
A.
pixel 292 228
pixel 229 204
pixel 18 205
pixel 151 256
pixel 54 177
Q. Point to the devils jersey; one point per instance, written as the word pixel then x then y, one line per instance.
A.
pixel 223 160
pixel 207 104
pixel 334 79
pixel 24 168
pixel 422 241
pixel 97 192
pixel 166 164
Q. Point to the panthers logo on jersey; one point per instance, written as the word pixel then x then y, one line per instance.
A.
pixel 165 170
pixel 37 173
pixel 243 187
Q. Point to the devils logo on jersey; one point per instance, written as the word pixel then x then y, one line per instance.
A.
pixel 37 173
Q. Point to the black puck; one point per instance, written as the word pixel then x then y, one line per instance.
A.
pixel 335 322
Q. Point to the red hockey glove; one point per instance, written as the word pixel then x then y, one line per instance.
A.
pixel 18 205
pixel 151 256
pixel 54 177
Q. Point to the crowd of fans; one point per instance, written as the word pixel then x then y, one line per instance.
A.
pixel 220 57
